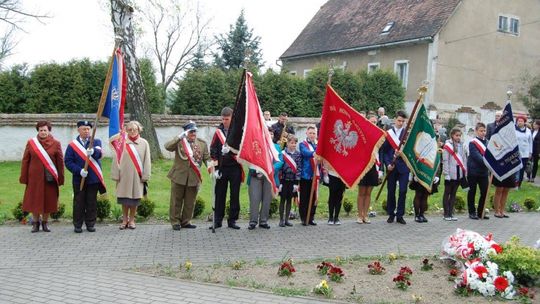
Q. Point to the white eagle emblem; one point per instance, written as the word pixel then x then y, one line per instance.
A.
pixel 345 138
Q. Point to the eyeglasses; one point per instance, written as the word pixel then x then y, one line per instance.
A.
pixel 132 129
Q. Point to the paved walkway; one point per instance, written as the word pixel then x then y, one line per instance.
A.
pixel 91 267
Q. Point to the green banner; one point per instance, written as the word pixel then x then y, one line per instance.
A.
pixel 421 150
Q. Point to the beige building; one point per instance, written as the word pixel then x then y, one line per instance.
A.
pixel 470 51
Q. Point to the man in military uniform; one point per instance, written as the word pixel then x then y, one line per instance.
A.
pixel 189 154
pixel 228 173
pixel 85 200
pixel 280 130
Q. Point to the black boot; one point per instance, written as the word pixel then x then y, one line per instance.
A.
pixel 45 226
pixel 35 226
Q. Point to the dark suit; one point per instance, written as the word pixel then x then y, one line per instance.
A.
pixel 535 154
pixel 400 174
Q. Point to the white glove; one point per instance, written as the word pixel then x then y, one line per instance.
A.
pixel 217 174
pixel 415 178
pixel 381 174
pixel 182 135
pixel 295 188
pixel 326 179
pixel 89 152
pixel 436 180
pixel 225 149
pixel 84 173
pixel 447 177
pixel 280 188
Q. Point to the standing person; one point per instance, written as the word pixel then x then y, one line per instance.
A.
pixel 454 171
pixel 281 130
pixel 491 126
pixel 525 144
pixel 42 171
pixel 290 177
pixel 477 172
pixel 268 119
pixel 131 173
pixel 335 197
pixel 189 154
pixel 229 173
pixel 382 121
pixel 366 184
pixel 85 200
pixel 536 150
pixel 397 171
pixel 308 173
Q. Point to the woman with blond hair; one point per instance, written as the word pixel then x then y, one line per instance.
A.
pixel 131 173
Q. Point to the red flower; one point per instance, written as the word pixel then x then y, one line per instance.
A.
pixel 497 248
pixel 480 270
pixel 501 283
pixel 523 291
pixel 453 272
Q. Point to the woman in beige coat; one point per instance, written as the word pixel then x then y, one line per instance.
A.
pixel 131 173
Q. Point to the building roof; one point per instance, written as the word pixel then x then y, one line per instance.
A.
pixel 342 25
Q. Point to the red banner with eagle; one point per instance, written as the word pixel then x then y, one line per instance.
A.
pixel 348 142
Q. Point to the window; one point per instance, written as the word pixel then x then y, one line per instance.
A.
pixel 387 27
pixel 373 66
pixel 508 24
pixel 401 68
pixel 293 73
pixel 306 72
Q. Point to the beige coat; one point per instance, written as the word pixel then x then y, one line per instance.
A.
pixel 128 183
pixel 181 173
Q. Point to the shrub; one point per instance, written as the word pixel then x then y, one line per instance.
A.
pixel 521 260
pixel 146 208
pixel 200 203
pixel 18 213
pixel 274 205
pixel 103 207
pixel 347 205
pixel 58 214
pixel 116 213
pixel 460 204
pixel 529 203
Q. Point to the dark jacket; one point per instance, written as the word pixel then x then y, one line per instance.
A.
pixel 475 161
pixel 74 163
pixel 226 160
pixel 387 153
pixel 286 172
pixel 277 130
pixel 536 144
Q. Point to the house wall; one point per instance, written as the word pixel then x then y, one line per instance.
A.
pixel 476 64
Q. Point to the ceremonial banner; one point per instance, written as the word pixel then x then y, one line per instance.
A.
pixel 348 142
pixel 114 104
pixel 249 136
pixel 421 150
pixel 502 155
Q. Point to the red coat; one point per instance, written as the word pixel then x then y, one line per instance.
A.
pixel 41 196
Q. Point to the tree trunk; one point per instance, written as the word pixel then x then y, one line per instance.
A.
pixel 121 13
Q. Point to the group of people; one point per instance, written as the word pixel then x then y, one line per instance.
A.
pixel 298 173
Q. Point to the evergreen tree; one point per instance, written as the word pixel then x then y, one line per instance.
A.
pixel 237 45
pixel 198 62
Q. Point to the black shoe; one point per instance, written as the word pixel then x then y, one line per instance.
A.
pixel 473 217
pixel 176 227
pixel 233 226
pixel 281 223
pixel 304 224
pixel 45 226
pixel 189 226
pixel 252 226
pixel 423 218
pixel 505 216
pixel 77 230
pixel 418 219
pixel 312 223
pixel 216 226
pixel 265 226
pixel 35 227
pixel 401 220
pixel 390 219
pixel 91 229
pixel 288 224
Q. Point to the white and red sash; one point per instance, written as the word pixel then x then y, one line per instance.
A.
pixel 44 157
pixel 316 173
pixel 450 149
pixel 290 161
pixel 189 153
pixel 377 163
pixel 135 158
pixel 221 136
pixel 92 163
pixel 393 138
pixel 479 145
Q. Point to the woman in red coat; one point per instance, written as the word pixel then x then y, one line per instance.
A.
pixel 42 171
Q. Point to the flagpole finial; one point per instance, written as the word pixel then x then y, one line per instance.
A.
pixel 331 70
pixel 423 88
pixel 509 92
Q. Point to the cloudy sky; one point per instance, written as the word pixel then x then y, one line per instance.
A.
pixel 82 28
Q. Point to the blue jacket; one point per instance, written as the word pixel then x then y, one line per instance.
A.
pixel 74 163
pixel 475 161
pixel 307 155
pixel 387 154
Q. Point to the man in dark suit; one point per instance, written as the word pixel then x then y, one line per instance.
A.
pixel 280 129
pixel 396 169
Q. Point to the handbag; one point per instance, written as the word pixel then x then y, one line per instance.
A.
pixel 49 178
pixel 464 183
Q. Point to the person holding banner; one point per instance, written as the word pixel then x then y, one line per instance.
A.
pixel 525 144
pixel 189 154
pixel 477 172
pixel 310 170
pixel 290 177
pixel 131 172
pixel 454 171
pixel 85 200
pixel 42 171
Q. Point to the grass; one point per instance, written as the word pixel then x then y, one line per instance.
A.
pixel 12 192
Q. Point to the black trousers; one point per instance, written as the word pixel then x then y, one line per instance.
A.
pixel 420 201
pixel 449 196
pixel 535 166
pixel 85 205
pixel 335 197
pixel 482 182
pixel 230 175
pixel 286 199
pixel 305 190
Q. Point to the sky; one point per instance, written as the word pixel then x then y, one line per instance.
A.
pixel 82 28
